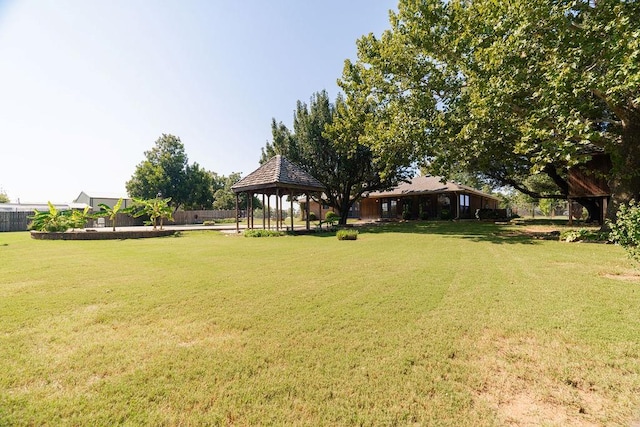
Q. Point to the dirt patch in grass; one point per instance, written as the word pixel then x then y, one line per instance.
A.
pixel 626 276
pixel 525 386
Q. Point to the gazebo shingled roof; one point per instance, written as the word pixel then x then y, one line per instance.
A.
pixel 278 172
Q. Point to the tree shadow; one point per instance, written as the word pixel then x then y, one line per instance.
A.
pixel 474 231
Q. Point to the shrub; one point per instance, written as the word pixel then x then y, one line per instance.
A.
pixel 210 222
pixel 406 213
pixel 347 234
pixel 51 221
pixel 312 217
pixel 262 233
pixel 332 217
pixel 574 235
pixel 583 235
pixel 626 230
pixel 489 214
pixel 445 214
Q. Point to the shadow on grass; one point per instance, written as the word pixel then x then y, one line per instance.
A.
pixel 469 230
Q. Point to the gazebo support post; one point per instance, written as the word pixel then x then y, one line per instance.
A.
pixel 248 210
pixel 263 212
pixel 277 210
pixel 291 197
pixel 281 216
pixel 237 216
pixel 269 211
pixel 251 202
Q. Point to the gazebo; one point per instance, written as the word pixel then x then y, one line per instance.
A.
pixel 277 177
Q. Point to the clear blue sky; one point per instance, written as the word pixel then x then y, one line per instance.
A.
pixel 87 86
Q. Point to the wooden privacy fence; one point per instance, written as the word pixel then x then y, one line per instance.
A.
pixel 19 221
pixel 198 217
pixel 14 221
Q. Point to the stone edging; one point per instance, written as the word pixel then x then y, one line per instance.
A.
pixel 101 235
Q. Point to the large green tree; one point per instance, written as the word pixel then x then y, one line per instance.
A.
pixel 224 196
pixel 166 173
pixel 508 89
pixel 3 197
pixel 325 142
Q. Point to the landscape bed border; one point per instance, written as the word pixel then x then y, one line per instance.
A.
pixel 101 235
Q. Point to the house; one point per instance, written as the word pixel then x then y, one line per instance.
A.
pixel 108 199
pixel 424 197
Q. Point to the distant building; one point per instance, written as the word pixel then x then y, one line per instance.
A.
pixel 108 199
pixel 30 207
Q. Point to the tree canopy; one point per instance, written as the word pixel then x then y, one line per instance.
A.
pixel 508 89
pixel 224 196
pixel 166 173
pixel 325 142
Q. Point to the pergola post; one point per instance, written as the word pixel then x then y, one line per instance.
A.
pixel 263 212
pixel 281 210
pixel 269 211
pixel 306 208
pixel 291 197
pixel 277 209
pixel 237 216
pixel 248 214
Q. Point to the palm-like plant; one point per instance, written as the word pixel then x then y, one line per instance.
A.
pixel 156 209
pixel 79 218
pixel 51 221
pixel 111 212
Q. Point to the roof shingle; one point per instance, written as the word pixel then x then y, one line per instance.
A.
pixel 278 172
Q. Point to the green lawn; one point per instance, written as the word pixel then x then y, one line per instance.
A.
pixel 427 323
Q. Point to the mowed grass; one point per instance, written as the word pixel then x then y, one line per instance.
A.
pixel 425 323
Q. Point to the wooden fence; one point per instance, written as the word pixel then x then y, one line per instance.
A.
pixel 14 221
pixel 19 221
pixel 198 217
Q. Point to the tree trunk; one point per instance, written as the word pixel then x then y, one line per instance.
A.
pixel 625 182
pixel 344 212
pixel 594 209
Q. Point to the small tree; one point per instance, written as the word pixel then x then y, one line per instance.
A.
pixel 79 218
pixel 626 229
pixel 111 212
pixel 156 209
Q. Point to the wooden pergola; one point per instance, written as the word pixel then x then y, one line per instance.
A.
pixel 277 177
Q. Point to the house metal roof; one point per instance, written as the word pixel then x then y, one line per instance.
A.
pixel 278 172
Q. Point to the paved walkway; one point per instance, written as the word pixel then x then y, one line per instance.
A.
pixel 191 227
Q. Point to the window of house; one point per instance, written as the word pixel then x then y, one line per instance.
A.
pixel 464 204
